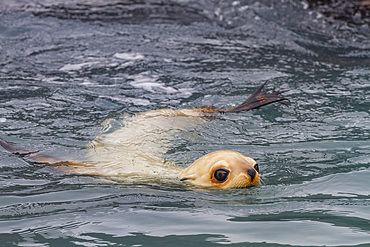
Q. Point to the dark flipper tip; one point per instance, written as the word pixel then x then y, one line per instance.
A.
pixel 259 98
pixel 13 149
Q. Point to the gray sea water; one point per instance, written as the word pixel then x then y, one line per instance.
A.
pixel 66 66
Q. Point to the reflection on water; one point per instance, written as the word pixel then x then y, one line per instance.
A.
pixel 67 66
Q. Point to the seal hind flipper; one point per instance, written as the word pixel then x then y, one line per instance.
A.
pixel 35 157
pixel 257 99
pixel 13 149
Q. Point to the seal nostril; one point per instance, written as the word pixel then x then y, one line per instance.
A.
pixel 251 172
pixel 256 167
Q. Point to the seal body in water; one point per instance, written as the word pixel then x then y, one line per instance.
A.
pixel 135 151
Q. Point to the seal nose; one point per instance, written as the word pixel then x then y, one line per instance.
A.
pixel 251 172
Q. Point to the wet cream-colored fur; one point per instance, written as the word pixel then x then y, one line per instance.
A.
pixel 135 151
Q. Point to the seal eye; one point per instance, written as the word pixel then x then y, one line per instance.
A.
pixel 256 167
pixel 221 174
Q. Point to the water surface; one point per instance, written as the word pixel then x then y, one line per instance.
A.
pixel 67 66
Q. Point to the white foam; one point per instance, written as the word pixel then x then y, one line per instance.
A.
pixel 137 101
pixel 186 92
pixel 2 120
pixel 150 84
pixel 129 56
pixel 134 101
pixel 125 64
pixel 53 80
pixel 77 66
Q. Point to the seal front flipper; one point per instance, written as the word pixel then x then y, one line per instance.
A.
pixel 37 158
pixel 257 99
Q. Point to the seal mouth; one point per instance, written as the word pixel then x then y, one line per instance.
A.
pixel 249 179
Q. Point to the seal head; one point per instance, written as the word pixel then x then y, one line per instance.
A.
pixel 222 169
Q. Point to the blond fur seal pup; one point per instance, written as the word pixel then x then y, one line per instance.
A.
pixel 135 151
